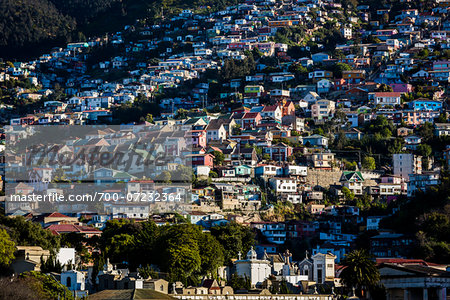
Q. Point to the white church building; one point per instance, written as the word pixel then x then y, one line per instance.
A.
pixel 319 268
pixel 256 269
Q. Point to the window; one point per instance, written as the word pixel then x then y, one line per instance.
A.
pixel 69 282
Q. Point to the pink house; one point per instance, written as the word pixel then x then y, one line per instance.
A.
pixel 402 87
pixel 202 159
pixel 196 138
pixel 289 109
pixel 251 119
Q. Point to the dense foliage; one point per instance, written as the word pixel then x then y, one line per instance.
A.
pixel 427 216
pixel 360 271
pixel 28 23
pixel 29 27
pixel 33 285
pixel 27 233
pixel 45 286
pixel 7 248
pixel 183 251
pixel 83 10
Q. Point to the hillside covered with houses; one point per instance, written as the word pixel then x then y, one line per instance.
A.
pixel 296 143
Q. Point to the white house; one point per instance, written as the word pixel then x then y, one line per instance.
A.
pixel 283 184
pixel 272 111
pixel 324 86
pixel 323 109
pixel 215 131
pixel 386 98
pixel 353 181
pixel 412 142
pixel 311 97
pixel 268 170
pixel 296 170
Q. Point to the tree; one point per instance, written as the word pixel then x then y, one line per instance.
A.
pixel 182 174
pixel 284 288
pixel 148 272
pixel 369 163
pixel 46 286
pixel 211 254
pixel 441 119
pixel 239 283
pixel 349 165
pixel 341 141
pixel 348 195
pixel 180 252
pixel 237 68
pixel 339 68
pixel 52 264
pixel 234 238
pixel 384 88
pixel 15 288
pixel 27 233
pixel 236 129
pixel 164 177
pixel 7 248
pixel 119 239
pixel 436 225
pixel 360 271
pixel 181 113
pixel 149 118
pixel 319 131
pixel 121 247
pixel 363 202
pixel 218 158
pixel 395 146
pixel 426 131
pixel 298 69
pixel 424 150
pixel 183 261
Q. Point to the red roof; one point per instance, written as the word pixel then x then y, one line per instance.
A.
pixel 404 261
pixel 57 215
pixel 142 181
pixel 250 115
pixel 57 229
pixel 388 94
pixel 270 108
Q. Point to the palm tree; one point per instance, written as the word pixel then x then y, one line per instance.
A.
pixel 360 271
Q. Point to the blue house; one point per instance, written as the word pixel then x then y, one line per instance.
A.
pixel 320 57
pixel 425 104
pixel 316 140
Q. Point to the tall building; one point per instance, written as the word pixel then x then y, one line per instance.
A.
pixel 405 164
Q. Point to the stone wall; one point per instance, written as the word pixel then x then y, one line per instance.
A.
pixel 325 178
pixel 253 297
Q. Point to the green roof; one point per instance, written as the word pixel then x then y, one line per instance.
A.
pixel 349 174
pixel 122 175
